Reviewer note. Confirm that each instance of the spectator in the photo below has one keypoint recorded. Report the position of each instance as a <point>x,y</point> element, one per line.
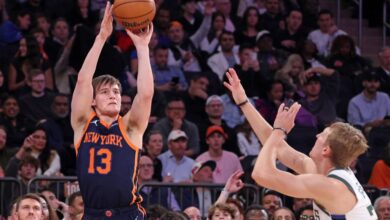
<point>272,19</point>
<point>60,36</point>
<point>382,207</point>
<point>248,69</point>
<point>232,114</point>
<point>43,24</point>
<point>327,32</point>
<point>271,201</point>
<point>193,213</point>
<point>155,212</point>
<point>210,43</point>
<point>225,7</point>
<point>162,23</point>
<point>29,207</point>
<point>125,104</point>
<point>270,59</point>
<point>36,104</point>
<point>167,78</point>
<point>283,213</point>
<point>221,211</point>
<point>13,121</point>
<point>173,216</point>
<point>369,108</point>
<point>321,95</point>
<point>268,107</point>
<point>40,38</point>
<point>23,21</point>
<point>6,153</point>
<point>380,177</point>
<point>154,42</point>
<point>82,14</point>
<point>292,74</point>
<point>306,213</point>
<point>247,141</point>
<point>195,97</point>
<point>153,146</point>
<point>214,110</point>
<point>176,167</point>
<point>250,27</point>
<point>56,204</point>
<point>299,203</point>
<point>50,163</point>
<point>191,18</point>
<point>221,61</point>
<point>175,112</point>
<point>310,56</point>
<point>237,205</point>
<point>255,212</point>
<point>227,162</point>
<point>349,65</point>
<point>291,38</point>
<point>384,69</point>
<point>154,195</point>
<point>76,206</point>
<point>47,211</point>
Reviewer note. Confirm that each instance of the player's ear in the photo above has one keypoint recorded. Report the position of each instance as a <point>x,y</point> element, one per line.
<point>326,150</point>
<point>93,103</point>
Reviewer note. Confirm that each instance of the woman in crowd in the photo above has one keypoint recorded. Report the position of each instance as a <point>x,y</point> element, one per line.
<point>249,28</point>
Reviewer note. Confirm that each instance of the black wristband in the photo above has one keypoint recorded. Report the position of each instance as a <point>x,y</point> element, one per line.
<point>284,131</point>
<point>243,103</point>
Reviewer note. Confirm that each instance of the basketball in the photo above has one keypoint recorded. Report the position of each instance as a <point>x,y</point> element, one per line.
<point>134,14</point>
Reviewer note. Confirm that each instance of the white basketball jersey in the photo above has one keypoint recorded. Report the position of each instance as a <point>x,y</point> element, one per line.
<point>363,210</point>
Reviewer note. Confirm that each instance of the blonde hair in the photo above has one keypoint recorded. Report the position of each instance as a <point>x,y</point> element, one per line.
<point>346,142</point>
<point>284,73</point>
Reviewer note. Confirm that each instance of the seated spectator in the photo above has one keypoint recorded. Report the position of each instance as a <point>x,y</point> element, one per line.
<point>48,212</point>
<point>255,212</point>
<point>210,43</point>
<point>380,174</point>
<point>193,213</point>
<point>82,14</point>
<point>13,121</point>
<point>126,102</point>
<point>195,97</point>
<point>284,213</point>
<point>167,78</point>
<point>155,212</point>
<point>60,36</point>
<point>153,146</point>
<point>214,110</point>
<point>271,201</point>
<point>134,58</point>
<point>232,113</point>
<point>54,202</point>
<point>268,107</point>
<point>327,32</point>
<point>299,203</point>
<point>225,7</point>
<point>29,206</point>
<point>50,163</point>
<point>6,153</point>
<point>221,61</point>
<point>247,141</point>
<point>221,209</point>
<point>250,26</point>
<point>249,72</point>
<point>270,59</point>
<point>384,69</point>
<point>273,19</point>
<point>43,24</point>
<point>310,56</point>
<point>175,112</point>
<point>321,95</point>
<point>349,65</point>
<point>291,39</point>
<point>227,162</point>
<point>176,167</point>
<point>154,195</point>
<point>169,215</point>
<point>237,205</point>
<point>305,213</point>
<point>36,104</point>
<point>369,108</point>
<point>382,207</point>
<point>292,74</point>
<point>76,206</point>
<point>191,18</point>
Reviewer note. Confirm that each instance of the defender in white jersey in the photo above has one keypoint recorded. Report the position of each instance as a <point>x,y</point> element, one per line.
<point>324,176</point>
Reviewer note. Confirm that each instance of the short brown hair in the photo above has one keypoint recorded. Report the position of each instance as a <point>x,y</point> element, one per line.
<point>27,196</point>
<point>33,73</point>
<point>28,159</point>
<point>97,82</point>
<point>223,207</point>
<point>346,142</point>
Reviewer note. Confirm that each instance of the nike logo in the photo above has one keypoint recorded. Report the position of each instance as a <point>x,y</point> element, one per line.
<point>116,123</point>
<point>95,122</point>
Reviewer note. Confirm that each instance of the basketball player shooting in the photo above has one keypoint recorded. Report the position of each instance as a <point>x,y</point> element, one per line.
<point>324,176</point>
<point>108,145</point>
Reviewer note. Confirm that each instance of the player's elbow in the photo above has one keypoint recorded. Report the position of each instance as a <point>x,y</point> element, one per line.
<point>261,177</point>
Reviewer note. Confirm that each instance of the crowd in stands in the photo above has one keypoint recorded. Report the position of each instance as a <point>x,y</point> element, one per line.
<point>282,50</point>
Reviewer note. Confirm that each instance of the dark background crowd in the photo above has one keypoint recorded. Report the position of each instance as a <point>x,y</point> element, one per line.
<point>282,50</point>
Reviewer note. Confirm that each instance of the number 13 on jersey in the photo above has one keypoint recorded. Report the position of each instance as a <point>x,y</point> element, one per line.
<point>105,157</point>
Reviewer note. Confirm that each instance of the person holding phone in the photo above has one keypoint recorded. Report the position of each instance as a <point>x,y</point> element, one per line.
<point>167,78</point>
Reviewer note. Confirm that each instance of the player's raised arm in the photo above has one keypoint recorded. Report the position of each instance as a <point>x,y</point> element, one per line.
<point>83,93</point>
<point>138,116</point>
<point>295,160</point>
